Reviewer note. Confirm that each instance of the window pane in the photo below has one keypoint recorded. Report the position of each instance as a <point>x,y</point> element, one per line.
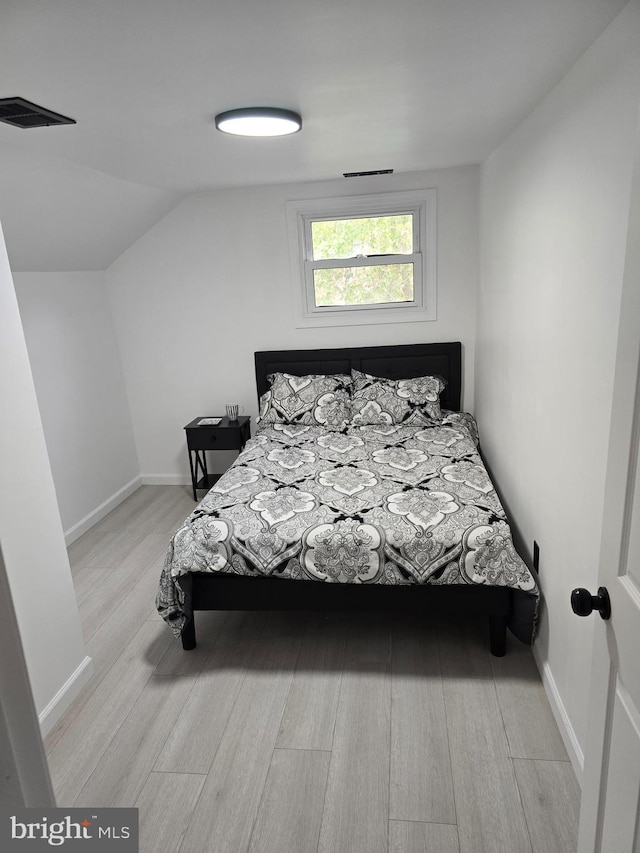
<point>371,285</point>
<point>375,235</point>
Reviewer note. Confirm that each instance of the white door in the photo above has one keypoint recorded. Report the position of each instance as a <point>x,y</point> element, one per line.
<point>610,812</point>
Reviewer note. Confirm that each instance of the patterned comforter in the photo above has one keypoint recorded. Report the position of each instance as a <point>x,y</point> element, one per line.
<point>369,504</point>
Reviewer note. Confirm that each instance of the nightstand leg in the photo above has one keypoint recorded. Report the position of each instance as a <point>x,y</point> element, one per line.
<point>193,474</point>
<point>197,460</point>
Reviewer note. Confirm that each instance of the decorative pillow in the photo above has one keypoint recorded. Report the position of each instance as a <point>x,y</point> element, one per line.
<point>395,401</point>
<point>312,399</point>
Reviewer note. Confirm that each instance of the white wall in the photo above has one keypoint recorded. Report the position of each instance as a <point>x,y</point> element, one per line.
<point>209,285</point>
<point>81,394</point>
<point>554,207</point>
<point>30,530</point>
<point>62,216</point>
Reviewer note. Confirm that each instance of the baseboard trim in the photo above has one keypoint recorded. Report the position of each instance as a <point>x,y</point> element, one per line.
<point>165,480</point>
<point>572,746</point>
<point>63,699</point>
<point>96,515</point>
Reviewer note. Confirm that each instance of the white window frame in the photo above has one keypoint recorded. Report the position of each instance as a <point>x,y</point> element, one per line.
<point>300,214</point>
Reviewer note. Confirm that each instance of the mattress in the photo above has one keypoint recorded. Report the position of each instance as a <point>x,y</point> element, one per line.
<point>375,504</point>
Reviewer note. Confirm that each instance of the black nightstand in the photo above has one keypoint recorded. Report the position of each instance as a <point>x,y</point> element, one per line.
<point>227,435</point>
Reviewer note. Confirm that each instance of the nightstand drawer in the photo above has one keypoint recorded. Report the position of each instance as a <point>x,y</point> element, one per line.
<point>210,438</point>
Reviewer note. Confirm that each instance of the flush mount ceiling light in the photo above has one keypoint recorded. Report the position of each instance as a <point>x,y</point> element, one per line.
<point>259,121</point>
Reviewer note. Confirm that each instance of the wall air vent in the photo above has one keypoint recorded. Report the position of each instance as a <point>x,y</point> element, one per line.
<point>366,174</point>
<point>21,113</point>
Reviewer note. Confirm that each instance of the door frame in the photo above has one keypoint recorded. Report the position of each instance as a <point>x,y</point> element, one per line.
<point>25,774</point>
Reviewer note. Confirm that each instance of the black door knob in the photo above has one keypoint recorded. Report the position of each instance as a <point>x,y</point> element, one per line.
<point>583,603</point>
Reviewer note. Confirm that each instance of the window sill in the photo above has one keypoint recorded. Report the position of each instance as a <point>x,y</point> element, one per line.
<point>365,317</point>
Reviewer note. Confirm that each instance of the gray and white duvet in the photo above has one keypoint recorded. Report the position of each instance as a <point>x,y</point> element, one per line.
<point>368,504</point>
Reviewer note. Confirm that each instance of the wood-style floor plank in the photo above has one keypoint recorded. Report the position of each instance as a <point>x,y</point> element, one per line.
<point>231,794</point>
<point>129,512</point>
<point>489,811</point>
<point>194,740</point>
<point>131,754</point>
<point>113,636</point>
<point>116,632</point>
<point>85,547</point>
<point>111,588</point>
<point>87,578</point>
<point>172,518</point>
<point>111,554</point>
<point>551,799</point>
<point>66,721</point>
<point>529,724</point>
<point>77,752</point>
<point>211,625</point>
<point>368,638</point>
<point>165,806</point>
<point>310,713</point>
<point>152,518</point>
<point>290,811</point>
<point>357,801</point>
<point>421,782</point>
<point>415,837</point>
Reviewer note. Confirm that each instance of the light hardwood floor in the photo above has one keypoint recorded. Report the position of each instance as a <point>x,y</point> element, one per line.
<point>336,733</point>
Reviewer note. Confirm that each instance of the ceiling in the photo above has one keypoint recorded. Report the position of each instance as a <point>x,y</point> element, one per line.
<point>408,85</point>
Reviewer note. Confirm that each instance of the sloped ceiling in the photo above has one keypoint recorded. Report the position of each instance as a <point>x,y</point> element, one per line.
<point>408,85</point>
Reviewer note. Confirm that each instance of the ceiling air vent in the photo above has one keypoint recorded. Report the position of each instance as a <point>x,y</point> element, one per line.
<point>366,174</point>
<point>21,113</point>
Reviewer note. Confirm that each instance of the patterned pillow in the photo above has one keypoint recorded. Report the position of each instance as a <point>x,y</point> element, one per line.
<point>309,400</point>
<point>395,401</point>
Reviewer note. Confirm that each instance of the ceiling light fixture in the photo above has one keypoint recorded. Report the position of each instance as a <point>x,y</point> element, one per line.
<point>259,121</point>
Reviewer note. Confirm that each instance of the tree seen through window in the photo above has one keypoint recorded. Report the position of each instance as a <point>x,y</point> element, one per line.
<point>365,237</point>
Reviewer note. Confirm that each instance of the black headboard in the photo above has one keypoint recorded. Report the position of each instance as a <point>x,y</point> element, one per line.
<point>403,361</point>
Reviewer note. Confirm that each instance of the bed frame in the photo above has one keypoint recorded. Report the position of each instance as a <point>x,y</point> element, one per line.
<point>208,591</point>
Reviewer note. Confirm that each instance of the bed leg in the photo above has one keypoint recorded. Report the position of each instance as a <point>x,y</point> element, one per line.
<point>498,635</point>
<point>188,634</point>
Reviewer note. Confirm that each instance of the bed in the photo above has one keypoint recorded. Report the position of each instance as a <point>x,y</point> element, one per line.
<point>363,488</point>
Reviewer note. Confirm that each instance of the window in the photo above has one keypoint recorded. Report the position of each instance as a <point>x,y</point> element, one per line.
<point>364,259</point>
